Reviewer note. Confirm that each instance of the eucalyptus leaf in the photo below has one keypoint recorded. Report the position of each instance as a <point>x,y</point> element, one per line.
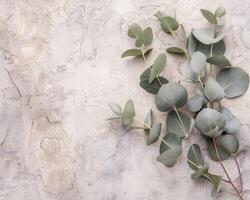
<point>175,50</point>
<point>198,62</point>
<point>195,157</point>
<point>232,123</point>
<point>213,90</point>
<point>157,67</point>
<point>226,145</point>
<point>128,113</point>
<point>195,103</point>
<point>169,24</point>
<point>139,40</point>
<point>210,17</point>
<point>207,36</point>
<point>218,48</point>
<point>154,134</point>
<point>191,44</point>
<point>171,95</point>
<point>115,107</point>
<point>200,172</point>
<point>210,122</point>
<point>170,149</point>
<point>215,180</point>
<point>221,61</point>
<point>148,120</point>
<point>220,12</point>
<point>134,30</point>
<point>131,52</point>
<point>234,81</point>
<point>153,87</point>
<point>174,125</point>
<point>147,35</point>
<point>183,35</point>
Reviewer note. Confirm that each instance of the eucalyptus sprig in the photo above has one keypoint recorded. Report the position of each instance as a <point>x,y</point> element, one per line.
<point>203,48</point>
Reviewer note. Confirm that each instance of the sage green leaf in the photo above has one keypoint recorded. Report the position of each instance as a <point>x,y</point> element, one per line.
<point>175,50</point>
<point>171,95</point>
<point>195,157</point>
<point>195,103</point>
<point>232,122</point>
<point>153,87</point>
<point>169,24</point>
<point>221,61</point>
<point>148,120</point>
<point>170,149</point>
<point>174,125</point>
<point>116,108</point>
<point>128,113</point>
<point>134,30</point>
<point>210,17</point>
<point>215,180</point>
<point>147,52</point>
<point>226,145</point>
<point>207,36</point>
<point>132,52</point>
<point>191,44</point>
<point>200,172</point>
<point>213,90</point>
<point>183,35</point>
<point>234,81</point>
<point>220,12</point>
<point>147,35</point>
<point>139,40</point>
<point>204,35</point>
<point>154,134</point>
<point>159,15</point>
<point>210,122</point>
<point>157,66</point>
<point>218,48</point>
<point>198,62</point>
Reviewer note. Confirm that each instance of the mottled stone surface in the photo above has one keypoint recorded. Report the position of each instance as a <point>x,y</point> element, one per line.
<point>60,65</point>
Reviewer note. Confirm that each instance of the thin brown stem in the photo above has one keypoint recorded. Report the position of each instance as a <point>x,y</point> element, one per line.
<point>238,167</point>
<point>224,169</point>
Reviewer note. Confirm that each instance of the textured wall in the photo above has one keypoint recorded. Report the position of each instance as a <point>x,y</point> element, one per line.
<point>60,65</point>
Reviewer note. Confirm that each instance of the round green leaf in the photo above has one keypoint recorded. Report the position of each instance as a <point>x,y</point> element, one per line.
<point>175,50</point>
<point>147,35</point>
<point>169,24</point>
<point>128,113</point>
<point>220,12</point>
<point>210,17</point>
<point>174,125</point>
<point>154,134</point>
<point>234,81</point>
<point>232,123</point>
<point>195,103</point>
<point>157,67</point>
<point>171,95</point>
<point>210,122</point>
<point>170,149</point>
<point>207,36</point>
<point>132,52</point>
<point>218,48</point>
<point>221,61</point>
<point>226,146</point>
<point>215,180</point>
<point>195,156</point>
<point>134,30</point>
<point>153,87</point>
<point>198,62</point>
<point>191,44</point>
<point>213,90</point>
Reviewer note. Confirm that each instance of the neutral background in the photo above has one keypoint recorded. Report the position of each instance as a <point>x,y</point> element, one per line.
<point>60,65</point>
